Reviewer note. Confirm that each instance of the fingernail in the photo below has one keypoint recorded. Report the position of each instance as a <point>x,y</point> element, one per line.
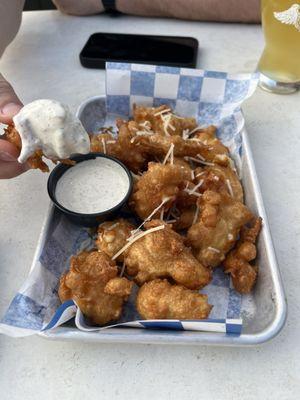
<point>6,156</point>
<point>10,109</point>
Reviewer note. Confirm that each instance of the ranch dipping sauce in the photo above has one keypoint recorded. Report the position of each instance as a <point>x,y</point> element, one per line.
<point>92,186</point>
<point>48,125</point>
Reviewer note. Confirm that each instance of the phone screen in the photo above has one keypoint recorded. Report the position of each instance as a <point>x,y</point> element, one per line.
<point>143,49</point>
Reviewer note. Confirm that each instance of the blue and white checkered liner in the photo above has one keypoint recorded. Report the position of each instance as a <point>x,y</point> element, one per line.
<point>210,97</point>
<point>70,310</point>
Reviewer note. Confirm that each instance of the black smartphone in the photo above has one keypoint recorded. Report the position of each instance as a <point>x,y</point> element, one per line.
<point>177,51</point>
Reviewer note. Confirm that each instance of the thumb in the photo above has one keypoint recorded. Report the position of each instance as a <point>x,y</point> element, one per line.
<point>10,104</point>
<point>9,166</point>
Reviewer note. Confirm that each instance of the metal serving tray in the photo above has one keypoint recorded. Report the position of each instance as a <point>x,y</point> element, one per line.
<point>268,299</point>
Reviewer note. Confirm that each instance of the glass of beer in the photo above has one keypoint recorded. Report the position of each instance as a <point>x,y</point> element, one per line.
<point>280,62</point>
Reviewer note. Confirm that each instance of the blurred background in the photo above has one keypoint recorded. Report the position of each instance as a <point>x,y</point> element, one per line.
<point>38,5</point>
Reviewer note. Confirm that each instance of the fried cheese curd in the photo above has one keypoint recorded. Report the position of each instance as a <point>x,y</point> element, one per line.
<point>123,147</point>
<point>220,219</point>
<point>157,145</point>
<point>194,148</point>
<point>219,179</point>
<point>216,178</point>
<point>161,120</point>
<point>162,254</point>
<point>237,262</point>
<point>92,282</point>
<point>218,152</point>
<point>159,299</point>
<point>159,183</point>
<point>112,236</point>
<point>35,161</point>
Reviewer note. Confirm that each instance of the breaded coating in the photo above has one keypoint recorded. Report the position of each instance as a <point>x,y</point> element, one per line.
<point>237,262</point>
<point>216,178</point>
<point>104,142</point>
<point>159,299</point>
<point>251,232</point>
<point>220,220</point>
<point>118,287</point>
<point>123,147</point>
<point>208,137</point>
<point>35,161</point>
<point>161,120</point>
<point>189,194</point>
<point>112,236</point>
<point>184,165</point>
<point>158,183</point>
<point>163,254</point>
<point>185,219</point>
<point>219,179</point>
<point>93,284</point>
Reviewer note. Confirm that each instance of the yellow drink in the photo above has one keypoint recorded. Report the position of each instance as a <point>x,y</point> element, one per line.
<point>281,24</point>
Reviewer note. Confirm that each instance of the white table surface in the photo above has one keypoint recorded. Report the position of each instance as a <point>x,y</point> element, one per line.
<point>43,62</point>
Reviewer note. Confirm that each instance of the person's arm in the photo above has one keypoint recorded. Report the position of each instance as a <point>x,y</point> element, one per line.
<point>199,10</point>
<point>10,20</point>
<point>74,7</point>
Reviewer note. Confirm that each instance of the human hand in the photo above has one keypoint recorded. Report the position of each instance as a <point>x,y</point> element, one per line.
<point>10,105</point>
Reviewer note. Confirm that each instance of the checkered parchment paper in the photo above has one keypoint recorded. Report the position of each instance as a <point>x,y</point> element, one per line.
<point>212,98</point>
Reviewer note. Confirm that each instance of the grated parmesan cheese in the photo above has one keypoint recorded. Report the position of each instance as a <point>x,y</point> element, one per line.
<point>135,238</point>
<point>197,160</point>
<point>149,217</point>
<point>200,157</point>
<point>104,145</point>
<point>213,249</point>
<point>229,187</point>
<point>170,151</point>
<point>112,226</point>
<point>145,124</point>
<point>122,269</point>
<point>190,192</point>
<point>196,129</point>
<point>144,133</point>
<point>166,121</point>
<point>134,175</point>
<point>166,110</point>
<point>185,134</point>
<point>196,140</point>
<point>196,215</point>
<point>197,186</point>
